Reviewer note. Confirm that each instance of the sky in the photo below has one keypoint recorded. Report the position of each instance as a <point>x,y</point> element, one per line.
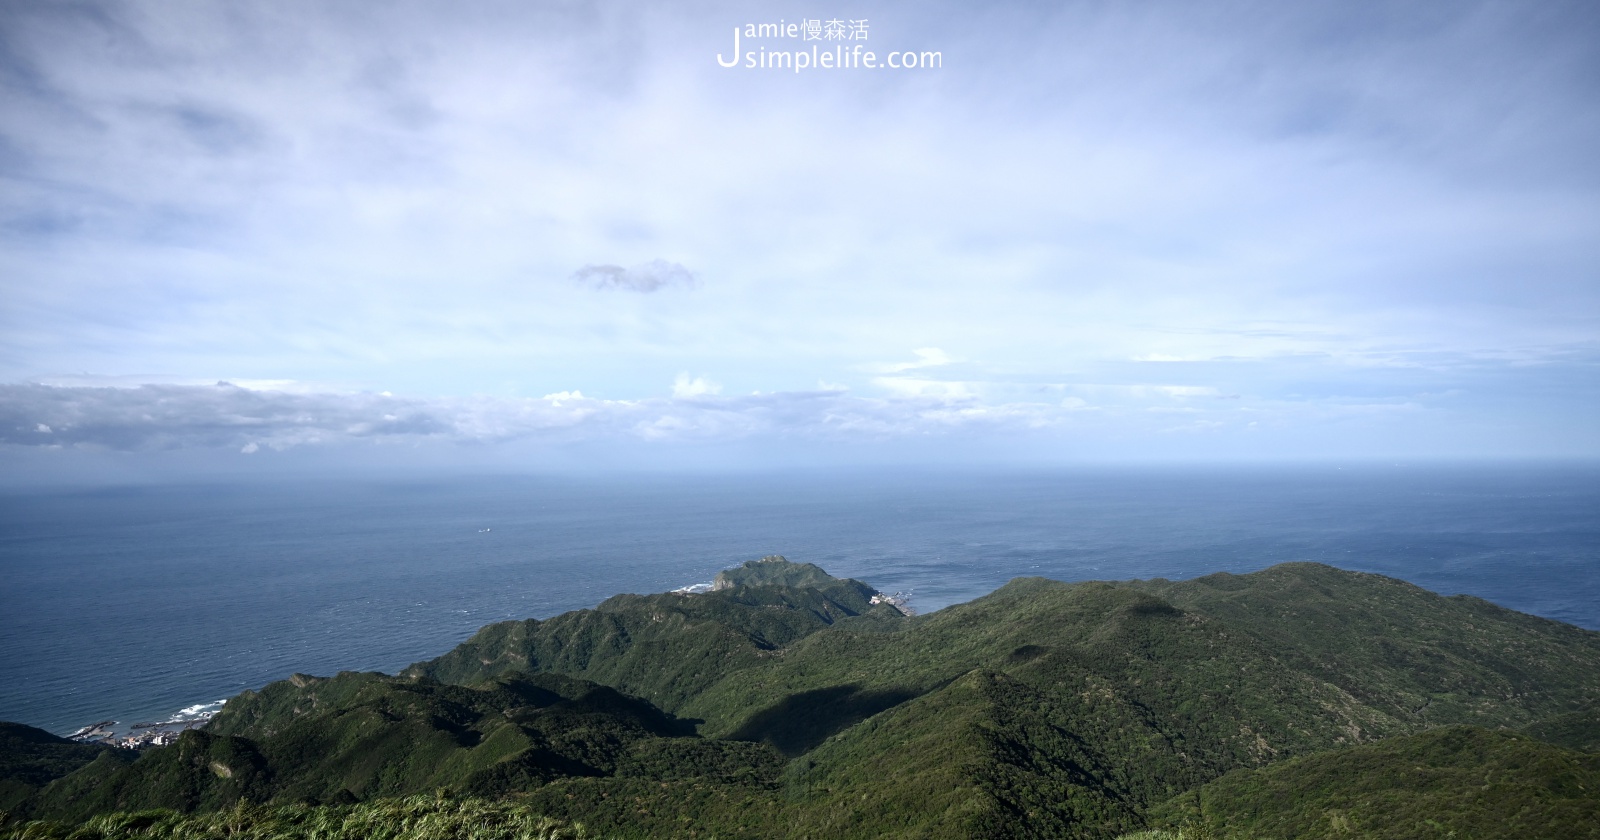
<point>247,236</point>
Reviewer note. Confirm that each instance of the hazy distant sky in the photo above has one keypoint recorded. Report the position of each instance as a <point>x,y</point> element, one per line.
<point>541,233</point>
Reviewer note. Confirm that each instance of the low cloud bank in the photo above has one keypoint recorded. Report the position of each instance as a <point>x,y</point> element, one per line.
<point>933,420</point>
<point>226,416</point>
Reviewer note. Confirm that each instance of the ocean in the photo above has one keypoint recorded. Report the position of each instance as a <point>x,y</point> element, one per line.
<point>131,603</point>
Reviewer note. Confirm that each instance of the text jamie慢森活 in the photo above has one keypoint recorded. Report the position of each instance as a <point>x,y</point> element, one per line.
<point>829,52</point>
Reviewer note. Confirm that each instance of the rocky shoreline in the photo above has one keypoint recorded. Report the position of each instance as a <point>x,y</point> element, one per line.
<point>141,736</point>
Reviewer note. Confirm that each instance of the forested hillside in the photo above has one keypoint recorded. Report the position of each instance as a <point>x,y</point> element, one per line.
<point>1294,702</point>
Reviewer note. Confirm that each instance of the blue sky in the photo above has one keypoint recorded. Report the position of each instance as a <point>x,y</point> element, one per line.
<point>561,234</point>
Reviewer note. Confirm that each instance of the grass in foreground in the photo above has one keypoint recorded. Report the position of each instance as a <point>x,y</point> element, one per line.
<point>413,818</point>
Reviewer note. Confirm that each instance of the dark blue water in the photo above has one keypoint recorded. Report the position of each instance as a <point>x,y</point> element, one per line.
<point>132,603</point>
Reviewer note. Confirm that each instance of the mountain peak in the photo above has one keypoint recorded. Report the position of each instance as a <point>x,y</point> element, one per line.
<point>772,570</point>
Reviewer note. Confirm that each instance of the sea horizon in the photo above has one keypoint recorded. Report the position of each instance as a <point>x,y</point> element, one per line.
<point>134,601</point>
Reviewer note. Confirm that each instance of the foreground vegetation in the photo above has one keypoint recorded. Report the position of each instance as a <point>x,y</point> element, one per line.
<point>411,818</point>
<point>1300,701</point>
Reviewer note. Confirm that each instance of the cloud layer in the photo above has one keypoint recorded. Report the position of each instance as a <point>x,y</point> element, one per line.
<point>225,416</point>
<point>1328,210</point>
<point>938,419</point>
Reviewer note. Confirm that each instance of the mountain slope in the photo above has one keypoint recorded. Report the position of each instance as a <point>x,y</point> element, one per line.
<point>1423,659</point>
<point>32,758</point>
<point>360,736</point>
<point>1457,781</point>
<point>788,703</point>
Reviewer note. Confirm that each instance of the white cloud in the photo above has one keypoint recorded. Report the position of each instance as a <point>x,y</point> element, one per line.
<point>900,385</point>
<point>1184,391</point>
<point>926,357</point>
<point>1145,392</point>
<point>904,386</point>
<point>684,387</point>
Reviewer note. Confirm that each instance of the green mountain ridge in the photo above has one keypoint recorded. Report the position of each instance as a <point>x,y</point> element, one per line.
<point>1422,659</point>
<point>789,703</point>
<point>32,758</point>
<point>1455,781</point>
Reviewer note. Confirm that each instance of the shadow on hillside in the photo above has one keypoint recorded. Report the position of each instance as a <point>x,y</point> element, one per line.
<point>801,721</point>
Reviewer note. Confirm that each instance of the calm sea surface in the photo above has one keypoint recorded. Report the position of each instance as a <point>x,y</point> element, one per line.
<point>128,604</point>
